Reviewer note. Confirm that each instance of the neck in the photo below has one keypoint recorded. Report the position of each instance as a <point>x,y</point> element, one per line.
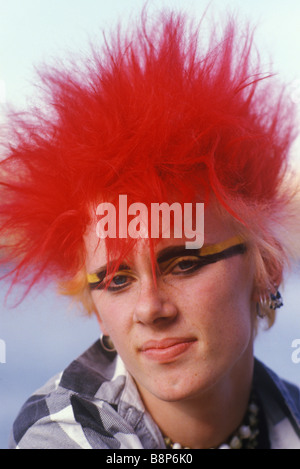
<point>208,419</point>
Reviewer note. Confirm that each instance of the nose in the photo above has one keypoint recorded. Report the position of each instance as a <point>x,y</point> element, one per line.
<point>153,307</point>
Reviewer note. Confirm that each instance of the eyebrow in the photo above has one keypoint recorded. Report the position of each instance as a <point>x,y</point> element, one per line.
<point>211,252</point>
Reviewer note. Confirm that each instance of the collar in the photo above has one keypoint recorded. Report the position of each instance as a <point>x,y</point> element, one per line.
<point>281,402</point>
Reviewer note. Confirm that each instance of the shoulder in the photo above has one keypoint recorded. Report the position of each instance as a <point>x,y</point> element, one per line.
<point>40,423</point>
<point>66,410</point>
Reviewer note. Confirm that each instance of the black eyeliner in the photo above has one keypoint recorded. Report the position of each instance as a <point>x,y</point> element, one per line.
<point>173,253</point>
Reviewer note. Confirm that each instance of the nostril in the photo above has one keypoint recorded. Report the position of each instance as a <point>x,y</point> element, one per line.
<point>152,307</point>
<point>164,320</point>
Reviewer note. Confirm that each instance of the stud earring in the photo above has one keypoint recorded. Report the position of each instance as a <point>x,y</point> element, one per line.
<point>275,300</point>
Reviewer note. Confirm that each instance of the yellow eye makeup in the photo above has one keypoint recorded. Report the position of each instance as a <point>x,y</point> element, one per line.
<point>220,247</point>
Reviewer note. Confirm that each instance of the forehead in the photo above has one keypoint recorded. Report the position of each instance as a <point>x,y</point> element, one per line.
<point>217,228</point>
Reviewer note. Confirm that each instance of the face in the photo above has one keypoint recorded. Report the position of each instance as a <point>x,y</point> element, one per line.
<point>188,332</point>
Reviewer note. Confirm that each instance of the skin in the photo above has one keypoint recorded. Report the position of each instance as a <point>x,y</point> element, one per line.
<point>206,385</point>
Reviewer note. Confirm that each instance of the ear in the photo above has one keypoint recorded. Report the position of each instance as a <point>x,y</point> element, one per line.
<point>275,280</point>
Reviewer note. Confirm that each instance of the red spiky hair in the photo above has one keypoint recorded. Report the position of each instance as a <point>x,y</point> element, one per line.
<point>152,114</point>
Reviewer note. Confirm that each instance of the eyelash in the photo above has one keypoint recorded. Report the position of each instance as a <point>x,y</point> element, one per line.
<point>106,283</point>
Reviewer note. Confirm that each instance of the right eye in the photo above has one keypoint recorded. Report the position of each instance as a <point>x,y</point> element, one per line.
<point>118,282</point>
<point>115,282</point>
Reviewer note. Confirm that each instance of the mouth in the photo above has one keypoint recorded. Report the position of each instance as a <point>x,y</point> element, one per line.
<point>166,350</point>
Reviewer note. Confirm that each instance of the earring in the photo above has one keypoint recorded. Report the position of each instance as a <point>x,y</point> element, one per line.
<point>107,343</point>
<point>275,300</point>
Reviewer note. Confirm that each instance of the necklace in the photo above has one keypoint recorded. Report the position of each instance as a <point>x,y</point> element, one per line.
<point>245,437</point>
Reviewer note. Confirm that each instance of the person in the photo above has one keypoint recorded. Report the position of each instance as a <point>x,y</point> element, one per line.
<point>153,185</point>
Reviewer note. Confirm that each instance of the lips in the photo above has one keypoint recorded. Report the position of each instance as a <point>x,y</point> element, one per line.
<point>167,349</point>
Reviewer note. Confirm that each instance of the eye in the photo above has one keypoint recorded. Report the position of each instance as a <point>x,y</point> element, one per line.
<point>113,282</point>
<point>185,265</point>
<point>182,265</point>
<point>118,281</point>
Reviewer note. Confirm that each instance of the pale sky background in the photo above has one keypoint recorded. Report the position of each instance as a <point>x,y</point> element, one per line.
<point>42,335</point>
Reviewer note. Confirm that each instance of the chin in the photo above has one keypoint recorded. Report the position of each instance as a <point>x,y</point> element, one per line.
<point>181,390</point>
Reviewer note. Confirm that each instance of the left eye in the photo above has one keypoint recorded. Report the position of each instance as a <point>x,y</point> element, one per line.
<point>185,265</point>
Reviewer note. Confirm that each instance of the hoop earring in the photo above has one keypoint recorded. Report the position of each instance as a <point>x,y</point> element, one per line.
<point>107,343</point>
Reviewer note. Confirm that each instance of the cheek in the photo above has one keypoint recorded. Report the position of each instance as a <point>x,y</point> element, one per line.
<point>112,314</point>
<point>233,317</point>
<point>220,306</point>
